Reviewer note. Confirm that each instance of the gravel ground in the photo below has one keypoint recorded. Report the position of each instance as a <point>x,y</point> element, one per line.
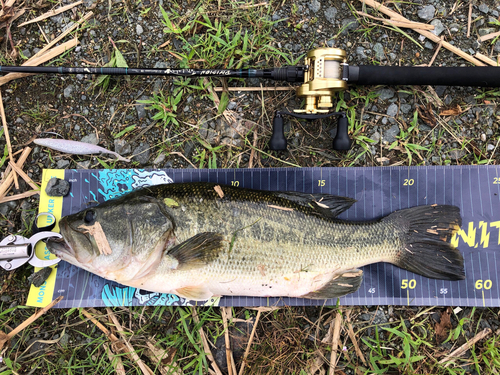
<point>75,108</point>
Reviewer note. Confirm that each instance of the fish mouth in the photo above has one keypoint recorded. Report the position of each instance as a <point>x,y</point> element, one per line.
<point>59,247</point>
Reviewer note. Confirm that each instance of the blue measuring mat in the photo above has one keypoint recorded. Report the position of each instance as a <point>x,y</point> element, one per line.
<point>378,191</point>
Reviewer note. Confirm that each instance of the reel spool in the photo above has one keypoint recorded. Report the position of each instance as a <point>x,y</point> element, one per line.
<point>324,76</point>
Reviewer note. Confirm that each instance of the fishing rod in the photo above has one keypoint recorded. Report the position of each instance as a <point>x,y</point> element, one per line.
<point>324,73</point>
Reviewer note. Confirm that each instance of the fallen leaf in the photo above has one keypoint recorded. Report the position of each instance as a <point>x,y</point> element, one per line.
<point>443,326</point>
<point>426,115</point>
<point>451,111</point>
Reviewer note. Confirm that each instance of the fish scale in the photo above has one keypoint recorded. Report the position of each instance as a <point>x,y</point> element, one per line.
<point>234,241</point>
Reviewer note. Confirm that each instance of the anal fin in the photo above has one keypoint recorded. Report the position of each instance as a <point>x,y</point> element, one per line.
<point>339,285</point>
<point>196,292</point>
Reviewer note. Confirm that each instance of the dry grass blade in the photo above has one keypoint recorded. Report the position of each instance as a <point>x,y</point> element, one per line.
<point>204,340</point>
<point>144,368</point>
<point>486,59</point>
<point>50,54</point>
<point>242,89</point>
<point>231,367</point>
<point>9,177</point>
<point>24,176</point>
<point>335,341</point>
<point>52,13</point>
<point>250,340</point>
<point>78,23</point>
<point>460,351</point>
<point>165,357</point>
<point>409,24</point>
<point>115,360</point>
<point>15,197</point>
<point>489,36</point>
<point>4,338</point>
<point>7,138</point>
<point>396,16</point>
<point>352,336</point>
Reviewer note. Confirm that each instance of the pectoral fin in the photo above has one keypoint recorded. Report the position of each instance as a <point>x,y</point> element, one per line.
<point>196,293</point>
<point>339,285</point>
<point>197,251</point>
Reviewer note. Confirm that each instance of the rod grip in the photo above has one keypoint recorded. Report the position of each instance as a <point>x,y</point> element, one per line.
<point>481,76</point>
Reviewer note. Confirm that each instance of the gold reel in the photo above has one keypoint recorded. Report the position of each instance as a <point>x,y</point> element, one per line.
<point>322,80</point>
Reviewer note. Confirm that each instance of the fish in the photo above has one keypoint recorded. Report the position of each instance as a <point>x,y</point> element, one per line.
<point>75,147</point>
<point>200,240</point>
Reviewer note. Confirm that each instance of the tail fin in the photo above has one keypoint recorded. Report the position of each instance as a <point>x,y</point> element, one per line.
<point>427,250</point>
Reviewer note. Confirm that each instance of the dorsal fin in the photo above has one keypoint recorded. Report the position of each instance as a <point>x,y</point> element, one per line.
<point>325,204</point>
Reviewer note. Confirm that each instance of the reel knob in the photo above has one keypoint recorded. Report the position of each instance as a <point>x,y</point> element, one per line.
<point>342,142</point>
<point>278,140</point>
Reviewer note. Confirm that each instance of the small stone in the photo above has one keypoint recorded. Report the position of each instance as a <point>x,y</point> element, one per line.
<point>360,51</point>
<point>391,134</point>
<point>141,108</point>
<point>330,14</point>
<point>349,24</point>
<point>5,298</point>
<point>142,153</point>
<point>385,94</point>
<point>490,147</point>
<point>139,30</point>
<point>405,108</point>
<point>376,137</point>
<point>7,207</point>
<point>26,53</point>
<point>231,105</point>
<point>483,137</point>
<point>64,340</point>
<point>20,121</point>
<point>454,27</point>
<point>57,187</point>
<point>62,164</point>
<point>83,164</point>
<point>436,160</point>
<point>68,91</point>
<point>438,27</point>
<point>440,90</point>
<point>456,154</point>
<point>427,12</point>
<point>91,138</point>
<point>379,51</point>
<point>122,147</point>
<point>484,8</point>
<point>392,111</point>
<point>39,277</point>
<point>160,158</point>
<point>497,46</point>
<point>315,5</point>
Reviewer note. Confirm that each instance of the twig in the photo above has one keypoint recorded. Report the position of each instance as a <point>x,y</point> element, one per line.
<point>440,44</point>
<point>252,153</point>
<point>204,340</point>
<point>335,341</point>
<point>249,344</point>
<point>252,5</point>
<point>461,350</point>
<point>486,59</point>
<point>181,155</point>
<point>7,138</point>
<point>66,32</point>
<point>352,336</point>
<point>406,24</point>
<point>488,36</point>
<point>7,181</point>
<point>15,197</point>
<point>145,369</point>
<point>51,13</point>
<point>396,16</point>
<point>469,19</point>
<point>24,176</point>
<point>50,54</point>
<point>6,337</point>
<point>231,367</point>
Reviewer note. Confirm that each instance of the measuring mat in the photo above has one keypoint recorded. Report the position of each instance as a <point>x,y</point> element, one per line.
<point>378,191</point>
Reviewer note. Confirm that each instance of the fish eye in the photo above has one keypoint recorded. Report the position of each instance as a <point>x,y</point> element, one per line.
<point>89,216</point>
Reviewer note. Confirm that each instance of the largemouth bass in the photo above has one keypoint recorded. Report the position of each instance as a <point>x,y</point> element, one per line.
<point>199,240</point>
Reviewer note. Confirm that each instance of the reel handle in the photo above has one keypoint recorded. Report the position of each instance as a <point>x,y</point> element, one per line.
<point>341,141</point>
